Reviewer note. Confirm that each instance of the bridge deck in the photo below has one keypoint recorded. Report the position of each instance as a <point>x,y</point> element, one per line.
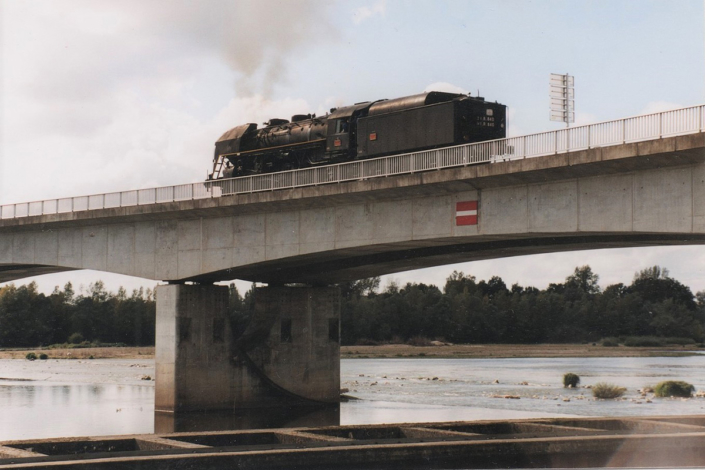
<point>675,441</point>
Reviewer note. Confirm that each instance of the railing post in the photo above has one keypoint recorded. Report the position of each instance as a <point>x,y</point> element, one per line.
<point>555,142</point>
<point>660,125</point>
<point>624,131</point>
<point>589,133</point>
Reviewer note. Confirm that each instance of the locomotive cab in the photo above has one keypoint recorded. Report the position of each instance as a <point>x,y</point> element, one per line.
<point>341,138</point>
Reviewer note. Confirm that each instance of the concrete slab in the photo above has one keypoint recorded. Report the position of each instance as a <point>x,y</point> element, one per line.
<point>6,247</point>
<point>431,217</point>
<point>217,259</point>
<point>663,200</point>
<point>94,247</point>
<point>23,248</point>
<point>606,203</point>
<point>353,225</point>
<point>70,251</point>
<point>553,207</point>
<point>282,228</point>
<point>145,249</point>
<point>190,263</point>
<point>505,210</point>
<point>47,248</point>
<point>166,265</point>
<point>248,230</point>
<point>121,248</point>
<point>189,234</point>
<point>217,233</point>
<point>391,221</point>
<point>699,198</point>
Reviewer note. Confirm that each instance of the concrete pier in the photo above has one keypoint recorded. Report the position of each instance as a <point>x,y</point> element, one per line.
<point>193,351</point>
<point>288,355</point>
<point>290,351</point>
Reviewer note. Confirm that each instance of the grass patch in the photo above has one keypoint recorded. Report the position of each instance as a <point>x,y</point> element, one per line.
<point>674,388</point>
<point>571,380</point>
<point>610,342</point>
<point>605,391</point>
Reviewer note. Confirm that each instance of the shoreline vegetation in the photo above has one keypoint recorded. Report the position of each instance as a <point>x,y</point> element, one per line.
<point>397,351</point>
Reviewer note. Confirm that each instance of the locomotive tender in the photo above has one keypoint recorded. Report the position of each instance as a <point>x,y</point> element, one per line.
<point>365,130</point>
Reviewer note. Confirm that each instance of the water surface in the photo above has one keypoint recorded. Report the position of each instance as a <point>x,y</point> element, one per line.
<point>110,396</point>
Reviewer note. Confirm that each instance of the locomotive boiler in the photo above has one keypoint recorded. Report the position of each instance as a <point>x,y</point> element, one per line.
<point>361,131</point>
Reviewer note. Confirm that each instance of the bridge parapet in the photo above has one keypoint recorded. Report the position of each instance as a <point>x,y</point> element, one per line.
<point>682,121</point>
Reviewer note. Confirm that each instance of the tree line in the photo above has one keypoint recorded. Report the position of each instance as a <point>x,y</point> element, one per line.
<point>472,311</point>
<point>29,318</point>
<point>464,311</point>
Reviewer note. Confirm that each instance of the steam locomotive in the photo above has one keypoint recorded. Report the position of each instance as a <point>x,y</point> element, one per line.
<point>361,131</point>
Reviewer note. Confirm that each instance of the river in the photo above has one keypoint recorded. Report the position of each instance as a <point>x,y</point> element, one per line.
<point>58,398</point>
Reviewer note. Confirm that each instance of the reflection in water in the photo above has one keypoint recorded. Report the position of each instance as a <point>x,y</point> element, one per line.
<point>46,410</point>
<point>258,418</point>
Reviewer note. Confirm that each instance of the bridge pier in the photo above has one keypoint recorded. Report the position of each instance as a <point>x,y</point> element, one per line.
<point>193,348</point>
<point>290,351</point>
<point>288,355</point>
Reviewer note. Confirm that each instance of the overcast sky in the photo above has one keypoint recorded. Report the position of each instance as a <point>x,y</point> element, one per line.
<point>99,96</point>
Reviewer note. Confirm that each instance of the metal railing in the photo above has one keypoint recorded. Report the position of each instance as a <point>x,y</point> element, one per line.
<point>650,126</point>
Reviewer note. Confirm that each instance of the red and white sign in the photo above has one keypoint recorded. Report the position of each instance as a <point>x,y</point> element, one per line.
<point>466,213</point>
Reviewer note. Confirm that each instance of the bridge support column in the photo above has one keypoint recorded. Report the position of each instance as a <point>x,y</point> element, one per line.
<point>193,348</point>
<point>290,351</point>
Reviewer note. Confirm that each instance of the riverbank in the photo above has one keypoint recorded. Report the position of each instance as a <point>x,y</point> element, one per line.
<point>495,351</point>
<point>143,352</point>
<point>457,351</point>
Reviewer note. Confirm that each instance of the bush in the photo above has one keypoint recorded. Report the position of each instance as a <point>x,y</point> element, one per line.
<point>43,357</point>
<point>76,338</point>
<point>571,380</point>
<point>31,356</point>
<point>607,391</point>
<point>610,342</point>
<point>672,388</point>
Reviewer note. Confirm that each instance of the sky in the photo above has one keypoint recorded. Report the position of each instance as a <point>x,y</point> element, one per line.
<point>110,95</point>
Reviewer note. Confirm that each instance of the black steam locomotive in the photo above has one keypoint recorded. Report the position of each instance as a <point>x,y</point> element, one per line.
<point>364,130</point>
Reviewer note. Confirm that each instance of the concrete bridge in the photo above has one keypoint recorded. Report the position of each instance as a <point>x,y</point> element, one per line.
<point>643,193</point>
